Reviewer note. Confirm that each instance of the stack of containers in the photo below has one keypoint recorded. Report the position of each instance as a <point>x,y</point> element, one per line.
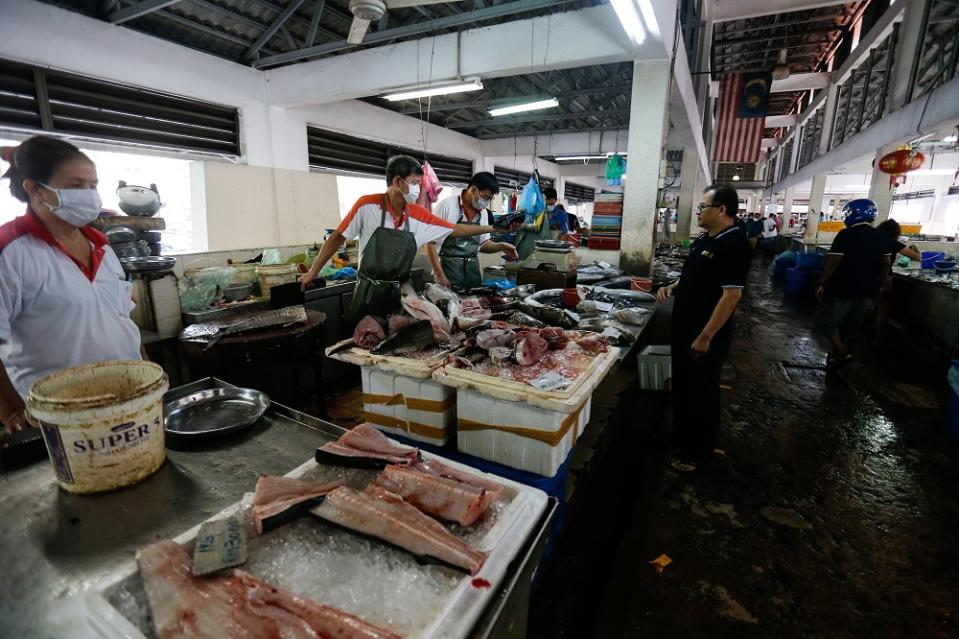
<point>400,398</point>
<point>517,425</point>
<point>607,224</point>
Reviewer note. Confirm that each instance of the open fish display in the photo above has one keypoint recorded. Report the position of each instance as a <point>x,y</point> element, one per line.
<point>398,321</point>
<point>407,339</point>
<point>276,495</point>
<point>234,605</point>
<point>385,515</point>
<point>592,273</point>
<point>364,446</point>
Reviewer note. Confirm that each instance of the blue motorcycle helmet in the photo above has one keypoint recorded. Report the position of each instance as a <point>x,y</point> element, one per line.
<point>859,211</point>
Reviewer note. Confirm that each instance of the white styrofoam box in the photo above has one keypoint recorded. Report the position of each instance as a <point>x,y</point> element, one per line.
<point>655,367</point>
<point>420,409</point>
<point>517,434</point>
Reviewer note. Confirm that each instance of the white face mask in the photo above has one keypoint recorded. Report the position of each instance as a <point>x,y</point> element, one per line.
<point>482,203</point>
<point>77,207</point>
<point>414,193</point>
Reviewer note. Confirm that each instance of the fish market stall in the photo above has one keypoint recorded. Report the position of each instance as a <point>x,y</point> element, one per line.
<point>507,375</point>
<point>927,303</point>
<point>70,560</point>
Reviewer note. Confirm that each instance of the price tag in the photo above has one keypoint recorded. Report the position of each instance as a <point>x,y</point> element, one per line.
<point>573,316</point>
<point>551,381</point>
<point>219,544</point>
<point>604,307</point>
<point>604,265</point>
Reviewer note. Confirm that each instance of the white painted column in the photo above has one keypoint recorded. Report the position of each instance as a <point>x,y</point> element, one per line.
<point>941,191</point>
<point>751,203</point>
<point>815,202</point>
<point>788,209</point>
<point>879,191</point>
<point>688,197</point>
<point>647,129</point>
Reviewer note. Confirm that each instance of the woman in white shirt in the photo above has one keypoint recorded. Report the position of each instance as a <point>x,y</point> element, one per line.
<point>64,298</point>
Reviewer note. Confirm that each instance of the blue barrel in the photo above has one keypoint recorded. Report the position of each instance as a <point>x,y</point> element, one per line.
<point>780,268</point>
<point>929,258</point>
<point>801,283</point>
<point>809,261</point>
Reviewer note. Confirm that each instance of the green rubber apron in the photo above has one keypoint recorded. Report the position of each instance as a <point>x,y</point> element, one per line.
<point>459,257</point>
<point>385,264</point>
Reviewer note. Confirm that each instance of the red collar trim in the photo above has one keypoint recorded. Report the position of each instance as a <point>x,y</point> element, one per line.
<point>466,210</point>
<point>31,224</point>
<point>397,220</point>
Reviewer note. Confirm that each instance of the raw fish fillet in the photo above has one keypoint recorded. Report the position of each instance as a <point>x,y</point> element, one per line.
<point>365,441</point>
<point>235,606</point>
<point>275,495</point>
<point>444,497</point>
<point>555,337</point>
<point>384,515</point>
<point>495,337</point>
<point>369,332</point>
<point>593,344</point>
<point>425,310</point>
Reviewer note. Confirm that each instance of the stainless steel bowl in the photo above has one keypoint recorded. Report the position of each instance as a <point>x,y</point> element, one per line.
<point>149,264</point>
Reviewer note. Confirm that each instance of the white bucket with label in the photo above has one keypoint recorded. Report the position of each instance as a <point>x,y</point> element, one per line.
<point>102,423</point>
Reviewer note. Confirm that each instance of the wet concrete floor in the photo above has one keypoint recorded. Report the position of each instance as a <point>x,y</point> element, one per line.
<point>831,511</point>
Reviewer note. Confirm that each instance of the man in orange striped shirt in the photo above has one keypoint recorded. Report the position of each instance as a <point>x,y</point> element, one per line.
<point>395,209</point>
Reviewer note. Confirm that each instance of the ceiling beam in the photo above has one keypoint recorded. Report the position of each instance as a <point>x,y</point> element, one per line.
<point>786,35</point>
<point>726,10</point>
<point>550,117</point>
<point>558,131</point>
<point>420,28</point>
<point>139,9</point>
<point>752,26</point>
<point>249,22</point>
<point>479,104</point>
<point>315,22</point>
<point>272,29</point>
<point>202,28</point>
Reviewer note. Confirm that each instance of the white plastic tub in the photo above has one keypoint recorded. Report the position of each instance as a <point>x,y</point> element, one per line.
<point>102,423</point>
<point>655,367</point>
<point>420,409</point>
<point>517,434</point>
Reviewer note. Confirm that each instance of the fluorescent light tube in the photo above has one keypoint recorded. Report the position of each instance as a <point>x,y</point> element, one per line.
<point>950,138</point>
<point>442,89</point>
<point>629,18</point>
<point>527,106</point>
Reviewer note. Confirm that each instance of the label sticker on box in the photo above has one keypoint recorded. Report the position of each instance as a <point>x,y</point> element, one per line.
<point>551,381</point>
<point>219,544</point>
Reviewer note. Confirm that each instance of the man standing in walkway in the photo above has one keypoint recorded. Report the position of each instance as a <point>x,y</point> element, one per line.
<point>858,260</point>
<point>707,293</point>
<point>770,232</point>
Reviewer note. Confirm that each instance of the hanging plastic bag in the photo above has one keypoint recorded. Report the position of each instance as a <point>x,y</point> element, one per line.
<point>615,167</point>
<point>531,201</point>
<point>430,188</point>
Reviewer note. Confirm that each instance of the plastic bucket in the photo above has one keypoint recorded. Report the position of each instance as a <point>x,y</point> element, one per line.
<point>643,284</point>
<point>929,258</point>
<point>102,423</point>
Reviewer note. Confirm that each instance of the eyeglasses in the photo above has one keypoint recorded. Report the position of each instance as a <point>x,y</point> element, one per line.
<point>702,207</point>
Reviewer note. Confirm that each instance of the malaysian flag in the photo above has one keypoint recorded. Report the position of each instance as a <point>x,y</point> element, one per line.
<point>743,98</point>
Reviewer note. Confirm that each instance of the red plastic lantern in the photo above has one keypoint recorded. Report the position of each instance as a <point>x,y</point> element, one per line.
<point>900,162</point>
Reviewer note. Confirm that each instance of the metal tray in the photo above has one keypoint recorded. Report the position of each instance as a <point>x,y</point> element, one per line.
<point>214,412</point>
<point>148,264</point>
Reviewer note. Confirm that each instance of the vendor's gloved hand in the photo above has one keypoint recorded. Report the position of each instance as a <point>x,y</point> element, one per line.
<point>508,221</point>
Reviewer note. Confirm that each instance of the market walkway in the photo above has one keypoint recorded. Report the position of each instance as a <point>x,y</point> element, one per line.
<point>832,512</point>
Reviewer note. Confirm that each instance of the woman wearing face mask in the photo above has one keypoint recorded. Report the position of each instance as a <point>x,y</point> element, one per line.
<point>391,229</point>
<point>456,263</point>
<point>64,299</point>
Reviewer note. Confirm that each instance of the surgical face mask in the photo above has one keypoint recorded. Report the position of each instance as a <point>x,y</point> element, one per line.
<point>414,193</point>
<point>482,202</point>
<point>550,207</point>
<point>77,207</point>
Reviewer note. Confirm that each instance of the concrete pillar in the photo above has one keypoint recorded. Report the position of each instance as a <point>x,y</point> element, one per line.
<point>647,130</point>
<point>907,46</point>
<point>832,97</point>
<point>816,192</point>
<point>879,191</point>
<point>935,214</point>
<point>688,196</point>
<point>750,203</point>
<point>788,209</point>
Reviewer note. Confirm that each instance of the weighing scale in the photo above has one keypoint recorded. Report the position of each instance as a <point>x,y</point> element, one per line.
<point>551,265</point>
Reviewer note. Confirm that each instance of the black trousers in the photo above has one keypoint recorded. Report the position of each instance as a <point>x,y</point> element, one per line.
<point>696,407</point>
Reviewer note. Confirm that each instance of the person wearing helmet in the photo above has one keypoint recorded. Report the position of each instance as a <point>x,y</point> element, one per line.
<point>857,262</point>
